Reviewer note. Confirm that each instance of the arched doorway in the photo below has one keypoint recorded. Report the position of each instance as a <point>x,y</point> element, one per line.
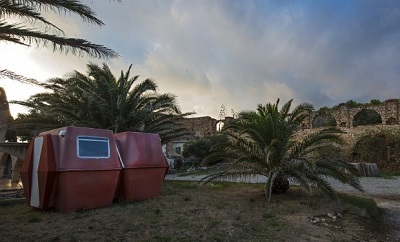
<point>326,120</point>
<point>219,125</point>
<point>10,166</point>
<point>391,121</point>
<point>366,117</point>
<point>371,148</point>
<point>5,167</point>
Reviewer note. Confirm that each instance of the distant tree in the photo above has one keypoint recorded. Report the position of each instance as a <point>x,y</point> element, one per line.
<point>98,99</point>
<point>323,110</point>
<point>375,101</point>
<point>353,104</point>
<point>11,135</point>
<point>31,13</point>
<point>201,147</point>
<point>198,148</point>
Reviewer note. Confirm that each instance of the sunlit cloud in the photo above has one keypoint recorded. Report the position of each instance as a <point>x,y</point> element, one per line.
<point>239,53</point>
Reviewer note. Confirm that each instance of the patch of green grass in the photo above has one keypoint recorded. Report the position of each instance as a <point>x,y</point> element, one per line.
<point>34,218</point>
<point>184,184</point>
<point>55,238</point>
<point>268,214</point>
<point>359,205</point>
<point>276,223</point>
<point>11,202</point>
<point>158,212</point>
<point>388,175</point>
<point>162,238</point>
<point>213,222</point>
<point>72,237</point>
<point>81,214</point>
<point>341,240</point>
<point>217,185</point>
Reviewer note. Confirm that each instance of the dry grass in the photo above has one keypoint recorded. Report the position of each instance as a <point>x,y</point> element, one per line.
<point>187,211</point>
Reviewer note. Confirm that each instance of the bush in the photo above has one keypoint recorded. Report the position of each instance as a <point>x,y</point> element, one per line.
<point>201,147</point>
<point>380,146</point>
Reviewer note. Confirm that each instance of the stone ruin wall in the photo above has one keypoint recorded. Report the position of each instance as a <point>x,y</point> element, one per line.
<point>200,126</point>
<point>204,126</point>
<point>344,115</point>
<point>352,135</point>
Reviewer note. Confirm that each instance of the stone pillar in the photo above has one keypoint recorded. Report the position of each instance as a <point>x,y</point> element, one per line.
<point>4,114</point>
<point>3,125</point>
<point>15,168</point>
<point>3,160</point>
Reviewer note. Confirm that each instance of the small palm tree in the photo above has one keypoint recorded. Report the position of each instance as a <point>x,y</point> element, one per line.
<point>26,32</point>
<point>265,142</point>
<point>100,100</point>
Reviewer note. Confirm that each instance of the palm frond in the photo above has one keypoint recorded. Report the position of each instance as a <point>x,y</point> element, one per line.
<point>66,6</point>
<point>4,73</point>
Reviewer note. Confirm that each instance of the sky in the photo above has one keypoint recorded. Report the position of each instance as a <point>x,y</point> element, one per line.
<point>233,53</point>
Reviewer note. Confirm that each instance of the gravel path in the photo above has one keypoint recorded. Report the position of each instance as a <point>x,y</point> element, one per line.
<point>373,186</point>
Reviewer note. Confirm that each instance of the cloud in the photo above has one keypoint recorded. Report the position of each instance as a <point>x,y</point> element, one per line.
<point>240,54</point>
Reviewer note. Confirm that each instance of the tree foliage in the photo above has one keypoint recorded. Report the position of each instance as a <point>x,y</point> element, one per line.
<point>98,99</point>
<point>380,146</point>
<point>201,147</point>
<point>353,104</point>
<point>375,102</point>
<point>32,28</point>
<point>265,142</point>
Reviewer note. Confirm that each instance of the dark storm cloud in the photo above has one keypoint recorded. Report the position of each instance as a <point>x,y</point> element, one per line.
<point>241,53</point>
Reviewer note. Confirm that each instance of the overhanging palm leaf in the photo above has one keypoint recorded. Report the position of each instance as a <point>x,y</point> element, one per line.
<point>24,33</point>
<point>14,76</point>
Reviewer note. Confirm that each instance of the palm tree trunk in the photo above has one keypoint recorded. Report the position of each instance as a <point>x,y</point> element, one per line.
<point>268,186</point>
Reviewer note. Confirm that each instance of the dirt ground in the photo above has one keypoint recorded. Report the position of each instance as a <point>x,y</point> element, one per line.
<point>187,211</point>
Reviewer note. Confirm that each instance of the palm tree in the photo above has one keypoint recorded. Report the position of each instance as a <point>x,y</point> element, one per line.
<point>31,12</point>
<point>100,100</point>
<point>265,142</point>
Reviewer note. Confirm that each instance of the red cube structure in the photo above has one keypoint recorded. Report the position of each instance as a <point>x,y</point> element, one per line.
<point>71,168</point>
<point>144,165</point>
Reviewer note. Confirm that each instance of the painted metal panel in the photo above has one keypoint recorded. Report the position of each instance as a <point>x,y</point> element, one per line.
<point>37,151</point>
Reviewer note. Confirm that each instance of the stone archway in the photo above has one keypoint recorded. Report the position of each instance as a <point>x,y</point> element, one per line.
<point>325,120</point>
<point>4,164</point>
<point>219,125</point>
<point>391,121</point>
<point>10,166</point>
<point>366,117</point>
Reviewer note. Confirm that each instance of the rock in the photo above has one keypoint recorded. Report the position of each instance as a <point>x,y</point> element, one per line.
<point>315,220</point>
